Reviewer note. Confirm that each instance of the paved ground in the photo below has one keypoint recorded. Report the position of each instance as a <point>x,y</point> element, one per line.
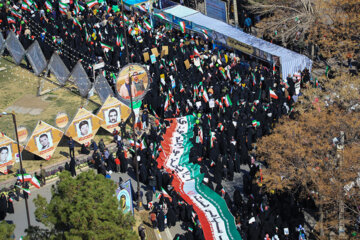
<point>19,217</point>
<point>20,220</point>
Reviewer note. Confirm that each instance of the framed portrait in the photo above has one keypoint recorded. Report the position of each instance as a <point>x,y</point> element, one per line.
<point>5,154</point>
<point>44,141</point>
<point>83,127</point>
<point>133,79</point>
<point>112,115</point>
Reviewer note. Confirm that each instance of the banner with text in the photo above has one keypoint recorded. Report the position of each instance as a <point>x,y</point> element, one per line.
<point>216,220</point>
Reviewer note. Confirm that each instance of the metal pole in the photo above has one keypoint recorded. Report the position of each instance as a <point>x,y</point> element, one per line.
<point>135,141</point>
<point>131,105</point>
<point>21,168</point>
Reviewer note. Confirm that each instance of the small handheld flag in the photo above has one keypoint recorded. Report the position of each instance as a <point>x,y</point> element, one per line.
<point>92,3</point>
<point>182,27</point>
<point>160,15</point>
<point>34,181</point>
<point>273,94</point>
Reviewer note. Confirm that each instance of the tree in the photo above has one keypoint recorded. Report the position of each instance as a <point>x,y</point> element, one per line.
<point>342,90</point>
<point>6,230</point>
<point>303,157</point>
<point>84,207</point>
<point>333,25</point>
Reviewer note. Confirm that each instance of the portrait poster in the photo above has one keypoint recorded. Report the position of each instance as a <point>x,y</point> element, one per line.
<point>124,196</point>
<point>153,58</point>
<point>146,56</point>
<point>8,153</point>
<point>136,75</point>
<point>162,53</point>
<point>165,49</point>
<point>187,64</point>
<point>112,112</point>
<point>84,126</point>
<point>155,52</point>
<point>44,140</point>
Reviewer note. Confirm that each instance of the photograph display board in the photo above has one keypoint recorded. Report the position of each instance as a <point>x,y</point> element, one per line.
<point>59,69</point>
<point>84,126</point>
<point>15,48</point>
<point>103,88</point>
<point>2,43</point>
<point>8,153</point>
<point>81,80</point>
<point>112,111</point>
<point>124,196</point>
<point>36,58</point>
<point>139,86</point>
<point>44,140</point>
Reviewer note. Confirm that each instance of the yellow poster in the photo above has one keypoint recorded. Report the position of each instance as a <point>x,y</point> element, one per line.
<point>112,112</point>
<point>233,43</point>
<point>44,140</point>
<point>22,134</point>
<point>8,153</point>
<point>61,120</point>
<point>84,126</point>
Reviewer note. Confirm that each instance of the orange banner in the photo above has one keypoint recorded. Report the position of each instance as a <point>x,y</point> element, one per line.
<point>44,140</point>
<point>112,112</point>
<point>22,134</point>
<point>84,126</point>
<point>62,120</point>
<point>8,153</point>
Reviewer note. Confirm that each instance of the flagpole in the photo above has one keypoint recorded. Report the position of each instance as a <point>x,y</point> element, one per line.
<point>131,105</point>
<point>21,166</point>
<point>135,141</point>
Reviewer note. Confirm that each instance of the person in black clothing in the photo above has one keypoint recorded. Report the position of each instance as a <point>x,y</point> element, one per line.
<point>71,148</point>
<point>142,233</point>
<point>227,130</point>
<point>17,189</point>
<point>122,126</point>
<point>72,167</point>
<point>3,206</point>
<point>26,186</point>
<point>10,206</point>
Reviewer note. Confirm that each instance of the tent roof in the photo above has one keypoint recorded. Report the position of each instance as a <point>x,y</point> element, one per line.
<point>291,62</point>
<point>180,11</point>
<point>134,2</point>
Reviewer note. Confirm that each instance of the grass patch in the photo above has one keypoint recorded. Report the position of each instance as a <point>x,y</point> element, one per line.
<point>17,82</point>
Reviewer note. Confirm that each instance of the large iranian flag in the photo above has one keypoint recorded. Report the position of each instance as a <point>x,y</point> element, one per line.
<point>216,220</point>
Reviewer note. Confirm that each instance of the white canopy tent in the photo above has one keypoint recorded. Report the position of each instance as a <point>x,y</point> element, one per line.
<point>291,62</point>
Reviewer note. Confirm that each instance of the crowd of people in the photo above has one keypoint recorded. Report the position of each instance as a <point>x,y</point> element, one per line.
<point>235,98</point>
